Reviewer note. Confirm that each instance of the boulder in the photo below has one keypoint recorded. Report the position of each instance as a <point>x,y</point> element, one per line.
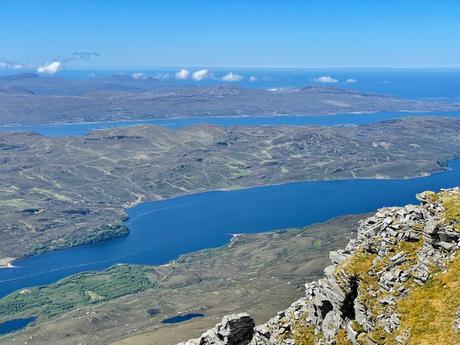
<point>236,329</point>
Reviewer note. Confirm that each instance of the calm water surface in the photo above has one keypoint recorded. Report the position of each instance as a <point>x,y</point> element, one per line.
<point>79,129</point>
<point>15,325</point>
<point>182,318</point>
<point>163,230</point>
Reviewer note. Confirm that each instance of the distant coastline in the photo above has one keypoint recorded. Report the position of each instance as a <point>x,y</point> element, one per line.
<point>142,121</point>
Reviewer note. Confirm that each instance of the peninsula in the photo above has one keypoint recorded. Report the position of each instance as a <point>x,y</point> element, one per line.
<point>61,192</point>
<point>32,99</point>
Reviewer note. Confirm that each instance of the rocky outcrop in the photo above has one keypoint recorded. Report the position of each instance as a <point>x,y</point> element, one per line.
<point>373,291</point>
<point>236,329</point>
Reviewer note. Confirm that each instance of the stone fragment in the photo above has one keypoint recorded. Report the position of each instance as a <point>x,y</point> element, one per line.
<point>352,335</point>
<point>456,324</point>
<point>361,316</point>
<point>337,257</point>
<point>398,256</point>
<point>447,246</point>
<point>331,325</point>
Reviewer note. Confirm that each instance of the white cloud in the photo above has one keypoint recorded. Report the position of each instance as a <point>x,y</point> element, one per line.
<point>252,79</point>
<point>183,74</point>
<point>200,75</point>
<point>232,77</point>
<point>326,79</point>
<point>162,76</point>
<point>5,63</point>
<point>58,63</point>
<point>351,81</point>
<point>138,76</point>
<point>50,68</point>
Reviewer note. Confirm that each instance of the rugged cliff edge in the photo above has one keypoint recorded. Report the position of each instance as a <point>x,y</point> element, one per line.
<point>398,282</point>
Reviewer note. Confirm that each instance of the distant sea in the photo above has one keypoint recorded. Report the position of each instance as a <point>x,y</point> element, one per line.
<point>405,83</point>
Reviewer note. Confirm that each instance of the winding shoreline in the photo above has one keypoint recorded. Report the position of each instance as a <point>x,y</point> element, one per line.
<point>166,182</point>
<point>138,122</point>
<point>7,262</point>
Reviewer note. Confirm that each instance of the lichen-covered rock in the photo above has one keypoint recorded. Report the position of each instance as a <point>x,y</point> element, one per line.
<point>236,329</point>
<point>360,299</point>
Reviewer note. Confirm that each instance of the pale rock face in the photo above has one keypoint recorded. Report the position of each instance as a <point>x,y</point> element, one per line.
<point>236,329</point>
<point>331,324</point>
<point>332,303</point>
<point>352,335</point>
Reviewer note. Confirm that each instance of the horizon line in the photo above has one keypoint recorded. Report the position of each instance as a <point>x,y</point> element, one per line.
<point>246,68</point>
<point>261,67</point>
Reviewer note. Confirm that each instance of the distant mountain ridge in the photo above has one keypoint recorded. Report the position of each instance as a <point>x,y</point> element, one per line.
<point>53,99</point>
<point>19,76</point>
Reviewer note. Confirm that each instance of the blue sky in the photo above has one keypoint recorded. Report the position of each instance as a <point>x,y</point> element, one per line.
<point>236,33</point>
